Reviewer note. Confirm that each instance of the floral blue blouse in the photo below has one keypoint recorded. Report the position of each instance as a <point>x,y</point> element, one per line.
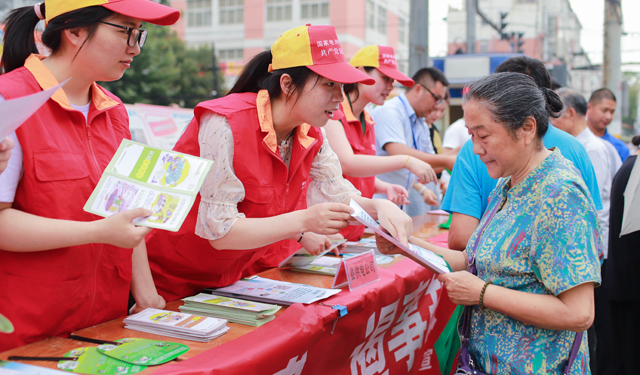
<point>544,240</point>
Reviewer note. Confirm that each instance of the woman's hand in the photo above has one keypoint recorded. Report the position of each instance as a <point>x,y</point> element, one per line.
<point>340,247</point>
<point>5,153</point>
<point>326,218</point>
<point>156,302</point>
<point>397,194</point>
<point>421,169</point>
<point>429,197</point>
<point>118,230</point>
<point>394,220</point>
<point>463,287</point>
<point>315,243</point>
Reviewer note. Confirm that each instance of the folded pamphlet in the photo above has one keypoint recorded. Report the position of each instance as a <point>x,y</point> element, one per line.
<point>177,324</point>
<point>232,309</point>
<point>164,182</point>
<point>419,255</point>
<point>302,257</point>
<point>260,289</point>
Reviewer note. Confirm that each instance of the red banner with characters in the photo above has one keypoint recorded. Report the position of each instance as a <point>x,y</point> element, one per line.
<point>391,327</point>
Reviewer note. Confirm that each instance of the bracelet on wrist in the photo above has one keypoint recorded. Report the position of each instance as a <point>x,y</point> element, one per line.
<point>422,189</point>
<point>484,289</point>
<point>406,162</point>
<point>301,235</point>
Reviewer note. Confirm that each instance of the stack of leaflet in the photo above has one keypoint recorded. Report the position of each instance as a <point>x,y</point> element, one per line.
<point>322,266</point>
<point>362,246</point>
<point>264,290</point>
<point>303,261</point>
<point>177,324</point>
<point>232,309</point>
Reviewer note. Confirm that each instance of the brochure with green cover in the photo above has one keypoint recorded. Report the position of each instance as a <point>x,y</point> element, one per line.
<point>144,351</point>
<point>165,182</point>
<point>233,309</point>
<point>91,361</point>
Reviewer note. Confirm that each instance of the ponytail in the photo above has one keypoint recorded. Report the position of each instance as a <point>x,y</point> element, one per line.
<point>553,102</point>
<point>255,76</point>
<point>19,40</point>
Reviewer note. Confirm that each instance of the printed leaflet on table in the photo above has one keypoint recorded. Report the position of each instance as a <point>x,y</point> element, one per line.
<point>302,257</point>
<point>419,255</point>
<point>232,309</point>
<point>165,182</point>
<point>260,289</point>
<point>177,324</point>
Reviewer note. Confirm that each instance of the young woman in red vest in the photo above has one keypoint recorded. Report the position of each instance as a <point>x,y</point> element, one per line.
<point>267,144</point>
<point>353,137</point>
<point>62,269</point>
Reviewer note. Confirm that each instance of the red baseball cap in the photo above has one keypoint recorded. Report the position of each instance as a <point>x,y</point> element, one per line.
<point>317,48</point>
<point>382,58</point>
<point>145,10</point>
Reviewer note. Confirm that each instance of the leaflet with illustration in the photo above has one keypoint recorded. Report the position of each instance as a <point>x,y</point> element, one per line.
<point>419,255</point>
<point>302,257</point>
<point>260,289</point>
<point>164,182</point>
<point>15,368</point>
<point>232,309</point>
<point>177,324</point>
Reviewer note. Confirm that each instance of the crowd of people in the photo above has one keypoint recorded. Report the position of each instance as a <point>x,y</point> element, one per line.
<point>531,177</point>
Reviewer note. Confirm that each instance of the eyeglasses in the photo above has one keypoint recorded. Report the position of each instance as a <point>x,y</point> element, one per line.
<point>438,99</point>
<point>135,35</point>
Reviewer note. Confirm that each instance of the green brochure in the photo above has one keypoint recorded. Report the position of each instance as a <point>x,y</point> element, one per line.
<point>143,351</point>
<point>91,361</point>
<point>165,182</point>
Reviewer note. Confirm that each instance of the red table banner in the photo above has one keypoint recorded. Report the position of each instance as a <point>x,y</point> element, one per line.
<point>391,328</point>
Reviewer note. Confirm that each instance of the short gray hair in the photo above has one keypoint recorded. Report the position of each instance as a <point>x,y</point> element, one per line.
<point>513,97</point>
<point>572,99</point>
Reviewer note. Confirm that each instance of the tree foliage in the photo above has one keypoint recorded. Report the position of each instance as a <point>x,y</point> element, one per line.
<point>167,71</point>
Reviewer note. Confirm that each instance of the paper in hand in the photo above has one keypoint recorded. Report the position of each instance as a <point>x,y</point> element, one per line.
<point>419,255</point>
<point>14,112</point>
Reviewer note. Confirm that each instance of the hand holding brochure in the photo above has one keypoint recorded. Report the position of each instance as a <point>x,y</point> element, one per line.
<point>164,182</point>
<point>419,255</point>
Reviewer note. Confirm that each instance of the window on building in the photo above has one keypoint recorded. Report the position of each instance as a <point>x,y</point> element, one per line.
<point>230,54</point>
<point>231,11</point>
<point>370,14</point>
<point>199,13</point>
<point>382,20</point>
<point>279,10</point>
<point>314,8</point>
<point>402,30</point>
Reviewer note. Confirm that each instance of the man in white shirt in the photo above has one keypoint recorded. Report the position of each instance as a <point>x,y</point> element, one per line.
<point>573,121</point>
<point>456,134</point>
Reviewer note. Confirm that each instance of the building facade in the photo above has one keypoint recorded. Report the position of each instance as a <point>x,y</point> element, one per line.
<point>239,29</point>
<point>547,30</point>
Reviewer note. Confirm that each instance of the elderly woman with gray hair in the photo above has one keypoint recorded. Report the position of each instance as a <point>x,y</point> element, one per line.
<point>528,272</point>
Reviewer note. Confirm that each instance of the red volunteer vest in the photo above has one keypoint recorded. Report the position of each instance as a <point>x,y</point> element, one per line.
<point>55,292</point>
<point>361,145</point>
<point>182,263</point>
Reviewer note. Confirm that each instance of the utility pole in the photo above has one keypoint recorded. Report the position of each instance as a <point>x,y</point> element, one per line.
<point>472,8</point>
<point>418,36</point>
<point>611,76</point>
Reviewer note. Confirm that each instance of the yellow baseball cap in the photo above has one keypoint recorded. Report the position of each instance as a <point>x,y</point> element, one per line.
<point>145,10</point>
<point>317,48</point>
<point>382,58</point>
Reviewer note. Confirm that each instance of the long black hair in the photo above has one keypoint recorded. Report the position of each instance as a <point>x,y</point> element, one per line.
<point>255,76</point>
<point>19,40</point>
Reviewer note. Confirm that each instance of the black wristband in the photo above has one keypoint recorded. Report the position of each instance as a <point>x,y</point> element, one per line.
<point>301,235</point>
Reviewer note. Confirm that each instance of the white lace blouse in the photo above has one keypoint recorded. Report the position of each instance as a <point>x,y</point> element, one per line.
<point>222,190</point>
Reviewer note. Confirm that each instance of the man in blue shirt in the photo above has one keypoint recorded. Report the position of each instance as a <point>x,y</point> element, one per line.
<point>470,183</point>
<point>402,130</point>
<point>602,106</point>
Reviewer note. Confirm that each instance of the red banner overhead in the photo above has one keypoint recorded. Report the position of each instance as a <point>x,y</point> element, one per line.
<point>391,327</point>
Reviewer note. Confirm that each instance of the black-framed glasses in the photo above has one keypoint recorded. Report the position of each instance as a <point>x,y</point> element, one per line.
<point>438,99</point>
<point>135,35</point>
